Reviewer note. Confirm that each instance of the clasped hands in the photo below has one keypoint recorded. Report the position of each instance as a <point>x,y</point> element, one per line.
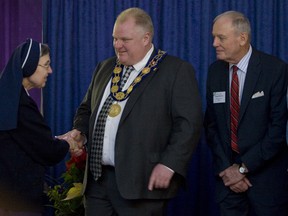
<point>160,177</point>
<point>233,179</point>
<point>76,141</point>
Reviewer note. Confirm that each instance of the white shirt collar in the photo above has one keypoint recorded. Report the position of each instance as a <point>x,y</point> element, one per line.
<point>243,63</point>
<point>140,65</point>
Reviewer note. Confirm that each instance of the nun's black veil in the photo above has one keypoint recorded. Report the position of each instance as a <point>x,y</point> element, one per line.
<point>22,63</point>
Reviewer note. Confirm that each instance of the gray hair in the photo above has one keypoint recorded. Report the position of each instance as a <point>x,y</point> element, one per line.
<point>44,50</point>
<point>239,21</point>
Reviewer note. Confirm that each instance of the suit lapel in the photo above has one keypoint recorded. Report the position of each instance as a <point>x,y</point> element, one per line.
<point>224,86</point>
<point>253,72</point>
<point>138,91</point>
<point>102,83</point>
<point>225,82</point>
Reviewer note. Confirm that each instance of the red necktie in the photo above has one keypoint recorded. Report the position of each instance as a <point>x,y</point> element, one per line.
<point>234,109</point>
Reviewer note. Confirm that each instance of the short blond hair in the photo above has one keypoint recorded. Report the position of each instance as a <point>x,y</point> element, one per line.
<point>140,16</point>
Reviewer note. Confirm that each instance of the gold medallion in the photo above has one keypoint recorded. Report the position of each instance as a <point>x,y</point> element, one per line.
<point>137,79</point>
<point>114,88</point>
<point>115,79</point>
<point>146,70</point>
<point>115,109</point>
<point>117,70</point>
<point>129,89</point>
<point>120,95</point>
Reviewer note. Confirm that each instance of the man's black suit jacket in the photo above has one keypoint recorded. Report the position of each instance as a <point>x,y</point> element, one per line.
<point>161,123</point>
<point>261,129</point>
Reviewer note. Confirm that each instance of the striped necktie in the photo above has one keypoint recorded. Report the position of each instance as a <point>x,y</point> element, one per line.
<point>95,161</point>
<point>234,109</point>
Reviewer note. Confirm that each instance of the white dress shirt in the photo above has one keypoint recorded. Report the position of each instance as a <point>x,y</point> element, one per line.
<point>112,123</point>
<point>242,71</point>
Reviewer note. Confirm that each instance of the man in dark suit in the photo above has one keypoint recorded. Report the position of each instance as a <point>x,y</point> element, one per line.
<point>245,122</point>
<point>153,125</point>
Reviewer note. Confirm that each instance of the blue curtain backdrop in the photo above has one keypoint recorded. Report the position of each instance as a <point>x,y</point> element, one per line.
<point>79,35</point>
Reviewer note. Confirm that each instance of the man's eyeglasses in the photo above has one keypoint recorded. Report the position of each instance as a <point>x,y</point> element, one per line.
<point>45,66</point>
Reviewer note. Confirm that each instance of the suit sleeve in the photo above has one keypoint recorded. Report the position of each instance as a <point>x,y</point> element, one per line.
<point>273,141</point>
<point>83,114</point>
<point>187,120</point>
<point>81,119</point>
<point>221,161</point>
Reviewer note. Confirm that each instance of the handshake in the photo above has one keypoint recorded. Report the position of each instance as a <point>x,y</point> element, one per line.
<point>76,141</point>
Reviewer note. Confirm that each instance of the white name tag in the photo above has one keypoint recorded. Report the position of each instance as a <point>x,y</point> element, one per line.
<point>219,97</point>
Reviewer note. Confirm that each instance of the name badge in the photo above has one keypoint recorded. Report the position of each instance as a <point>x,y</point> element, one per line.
<point>219,97</point>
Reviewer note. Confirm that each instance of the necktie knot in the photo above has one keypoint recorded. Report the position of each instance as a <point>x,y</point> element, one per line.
<point>126,75</point>
<point>128,70</point>
<point>235,69</point>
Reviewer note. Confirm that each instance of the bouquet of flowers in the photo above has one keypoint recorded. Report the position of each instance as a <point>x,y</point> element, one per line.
<point>66,197</point>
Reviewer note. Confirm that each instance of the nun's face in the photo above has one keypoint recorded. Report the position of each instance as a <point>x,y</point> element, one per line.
<point>39,77</point>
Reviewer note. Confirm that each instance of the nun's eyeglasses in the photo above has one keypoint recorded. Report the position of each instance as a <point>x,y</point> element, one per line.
<point>45,66</point>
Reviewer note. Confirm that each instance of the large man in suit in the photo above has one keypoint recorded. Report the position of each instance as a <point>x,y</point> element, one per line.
<point>247,142</point>
<point>152,128</point>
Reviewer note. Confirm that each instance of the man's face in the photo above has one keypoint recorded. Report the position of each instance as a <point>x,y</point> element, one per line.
<point>130,42</point>
<point>227,42</point>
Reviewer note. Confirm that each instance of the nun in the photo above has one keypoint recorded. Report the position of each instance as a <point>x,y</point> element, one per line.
<point>27,144</point>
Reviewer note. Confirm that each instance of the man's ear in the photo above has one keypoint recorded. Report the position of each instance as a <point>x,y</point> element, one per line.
<point>243,38</point>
